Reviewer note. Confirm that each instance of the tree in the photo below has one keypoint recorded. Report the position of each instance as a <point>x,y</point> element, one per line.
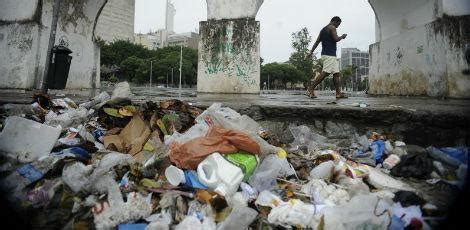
<point>134,69</point>
<point>300,42</point>
<point>131,62</point>
<point>281,74</point>
<point>347,73</point>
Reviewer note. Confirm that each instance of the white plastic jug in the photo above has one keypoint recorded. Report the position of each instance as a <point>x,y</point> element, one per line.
<point>219,174</point>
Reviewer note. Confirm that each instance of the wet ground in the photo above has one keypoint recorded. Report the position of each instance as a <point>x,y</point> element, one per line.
<point>280,98</point>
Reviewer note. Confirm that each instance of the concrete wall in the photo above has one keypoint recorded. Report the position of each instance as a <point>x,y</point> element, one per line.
<point>229,58</point>
<point>24,42</point>
<point>116,21</point>
<point>420,49</point>
<point>232,9</point>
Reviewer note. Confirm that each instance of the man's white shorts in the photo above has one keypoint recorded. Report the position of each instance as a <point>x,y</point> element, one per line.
<point>330,64</point>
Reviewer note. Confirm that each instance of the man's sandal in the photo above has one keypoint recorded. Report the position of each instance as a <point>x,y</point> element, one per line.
<point>341,96</point>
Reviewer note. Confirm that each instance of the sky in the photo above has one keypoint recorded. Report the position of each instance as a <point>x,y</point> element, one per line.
<point>278,19</point>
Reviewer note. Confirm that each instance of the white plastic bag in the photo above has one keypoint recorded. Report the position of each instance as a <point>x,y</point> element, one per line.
<point>239,218</point>
<point>360,213</point>
<point>197,130</point>
<point>27,140</point>
<point>268,199</point>
<point>71,118</point>
<point>121,92</point>
<point>76,176</point>
<point>294,213</point>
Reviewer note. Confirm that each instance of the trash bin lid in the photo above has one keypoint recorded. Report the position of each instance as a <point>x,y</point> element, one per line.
<point>61,49</point>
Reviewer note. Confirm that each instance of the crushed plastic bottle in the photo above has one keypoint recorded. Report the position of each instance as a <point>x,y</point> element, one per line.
<point>239,218</point>
<point>273,166</point>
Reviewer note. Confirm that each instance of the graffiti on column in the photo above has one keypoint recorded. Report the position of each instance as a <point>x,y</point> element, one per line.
<point>229,52</point>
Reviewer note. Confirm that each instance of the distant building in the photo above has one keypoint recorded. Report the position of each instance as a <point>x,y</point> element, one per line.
<point>153,40</point>
<point>116,21</point>
<point>167,37</point>
<point>170,17</point>
<point>190,40</point>
<point>355,57</point>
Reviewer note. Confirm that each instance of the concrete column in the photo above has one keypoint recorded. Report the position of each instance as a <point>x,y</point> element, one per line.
<point>24,35</point>
<point>420,48</point>
<point>229,56</point>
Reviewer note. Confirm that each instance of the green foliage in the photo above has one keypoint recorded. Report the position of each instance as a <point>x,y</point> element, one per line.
<point>281,74</point>
<point>113,79</point>
<point>133,62</point>
<point>300,42</point>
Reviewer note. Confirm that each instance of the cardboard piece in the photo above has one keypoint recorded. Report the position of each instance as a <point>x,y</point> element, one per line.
<point>132,138</point>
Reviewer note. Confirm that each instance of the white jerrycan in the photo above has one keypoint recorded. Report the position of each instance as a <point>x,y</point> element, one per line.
<point>219,174</point>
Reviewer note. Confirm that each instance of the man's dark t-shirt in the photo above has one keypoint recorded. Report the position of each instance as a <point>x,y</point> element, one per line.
<point>327,42</point>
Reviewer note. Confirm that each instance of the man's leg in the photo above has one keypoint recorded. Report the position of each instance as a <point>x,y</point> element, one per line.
<point>315,82</point>
<point>337,82</point>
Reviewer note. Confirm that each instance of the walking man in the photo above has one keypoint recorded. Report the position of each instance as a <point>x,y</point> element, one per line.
<point>328,38</point>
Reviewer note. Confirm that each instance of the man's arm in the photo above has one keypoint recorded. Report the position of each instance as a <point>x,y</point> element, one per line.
<point>314,46</point>
<point>333,32</point>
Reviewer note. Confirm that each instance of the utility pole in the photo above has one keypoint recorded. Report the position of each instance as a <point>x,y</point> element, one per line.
<point>268,82</point>
<point>181,67</point>
<point>166,79</point>
<point>172,82</point>
<point>55,18</point>
<point>151,67</point>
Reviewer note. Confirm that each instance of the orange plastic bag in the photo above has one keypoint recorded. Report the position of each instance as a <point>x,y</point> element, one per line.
<point>224,141</point>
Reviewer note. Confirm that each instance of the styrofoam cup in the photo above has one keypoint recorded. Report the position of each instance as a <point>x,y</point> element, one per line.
<point>174,175</point>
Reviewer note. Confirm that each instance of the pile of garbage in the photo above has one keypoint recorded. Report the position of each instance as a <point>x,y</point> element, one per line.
<point>108,163</point>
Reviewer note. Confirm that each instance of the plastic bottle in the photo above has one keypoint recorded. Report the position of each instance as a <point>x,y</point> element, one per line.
<point>273,166</point>
<point>219,174</point>
<point>177,176</point>
<point>391,161</point>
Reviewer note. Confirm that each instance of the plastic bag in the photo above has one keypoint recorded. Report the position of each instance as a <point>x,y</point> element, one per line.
<point>190,223</point>
<point>96,101</point>
<point>27,140</point>
<point>323,171</point>
<point>268,199</point>
<point>227,118</point>
<point>197,130</point>
<point>359,213</point>
<point>325,194</point>
<point>121,92</point>
<point>76,176</point>
<point>239,218</point>
<point>70,118</point>
<point>160,220</point>
<point>408,213</point>
<point>273,166</point>
<point>109,161</point>
<point>294,213</point>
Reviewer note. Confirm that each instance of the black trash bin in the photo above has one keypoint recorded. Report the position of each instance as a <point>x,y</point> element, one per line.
<point>59,68</point>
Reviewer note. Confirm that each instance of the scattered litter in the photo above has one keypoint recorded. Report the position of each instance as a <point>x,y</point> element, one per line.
<point>110,163</point>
